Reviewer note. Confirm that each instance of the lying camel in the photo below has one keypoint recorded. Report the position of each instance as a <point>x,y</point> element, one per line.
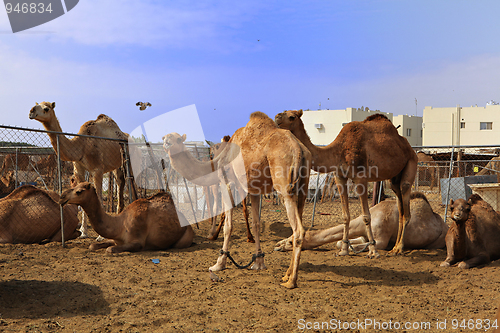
<point>145,224</point>
<point>31,215</point>
<point>426,229</point>
<point>472,239</point>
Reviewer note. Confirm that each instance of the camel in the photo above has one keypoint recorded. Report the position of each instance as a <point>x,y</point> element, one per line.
<point>273,159</point>
<point>7,184</point>
<point>472,239</point>
<point>427,170</point>
<point>144,225</point>
<point>93,155</point>
<point>31,215</point>
<point>426,229</point>
<point>493,167</point>
<point>212,193</point>
<point>13,162</point>
<point>366,151</point>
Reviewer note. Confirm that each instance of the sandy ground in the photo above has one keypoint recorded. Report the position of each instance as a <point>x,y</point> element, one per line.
<point>48,288</point>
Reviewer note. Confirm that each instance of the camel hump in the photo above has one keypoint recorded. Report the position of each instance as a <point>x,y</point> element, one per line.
<point>376,117</point>
<point>27,191</point>
<point>474,199</point>
<point>261,120</point>
<point>418,195</point>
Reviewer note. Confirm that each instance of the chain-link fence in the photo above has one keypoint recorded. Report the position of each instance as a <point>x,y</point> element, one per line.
<point>27,157</point>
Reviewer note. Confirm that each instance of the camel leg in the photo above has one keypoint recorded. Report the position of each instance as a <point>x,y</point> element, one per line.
<point>101,245</point>
<point>120,180</point>
<point>245,215</point>
<point>228,226</point>
<point>129,247</point>
<point>259,261</point>
<point>344,199</point>
<point>362,191</point>
<point>290,278</point>
<point>402,188</point>
<point>186,239</point>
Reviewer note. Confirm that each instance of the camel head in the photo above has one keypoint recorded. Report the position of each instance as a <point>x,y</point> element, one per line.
<point>288,119</point>
<point>173,143</point>
<point>43,112</point>
<point>459,210</point>
<point>77,194</point>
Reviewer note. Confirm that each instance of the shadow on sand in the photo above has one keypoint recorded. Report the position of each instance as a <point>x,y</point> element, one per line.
<point>45,299</point>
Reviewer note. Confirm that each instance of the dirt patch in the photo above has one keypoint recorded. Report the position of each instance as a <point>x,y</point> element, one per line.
<point>47,288</point>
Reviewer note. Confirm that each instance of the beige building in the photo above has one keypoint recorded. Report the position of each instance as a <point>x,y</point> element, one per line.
<point>462,126</point>
<point>323,126</point>
<point>410,127</point>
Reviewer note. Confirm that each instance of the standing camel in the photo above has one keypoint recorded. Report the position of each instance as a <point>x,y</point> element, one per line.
<point>212,193</point>
<point>272,158</point>
<point>96,156</point>
<point>364,151</point>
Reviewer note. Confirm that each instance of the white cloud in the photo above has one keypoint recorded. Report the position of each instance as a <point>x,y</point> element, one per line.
<point>194,24</point>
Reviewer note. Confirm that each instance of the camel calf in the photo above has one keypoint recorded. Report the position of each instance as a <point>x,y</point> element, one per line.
<point>426,229</point>
<point>472,239</point>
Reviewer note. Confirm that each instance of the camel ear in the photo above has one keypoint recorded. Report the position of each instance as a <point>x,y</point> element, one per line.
<point>451,202</point>
<point>36,103</point>
<point>53,105</point>
<point>87,186</point>
<point>300,113</point>
<point>183,137</point>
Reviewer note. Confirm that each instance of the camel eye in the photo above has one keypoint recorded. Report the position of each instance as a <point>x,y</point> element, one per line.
<point>45,109</point>
<point>291,117</point>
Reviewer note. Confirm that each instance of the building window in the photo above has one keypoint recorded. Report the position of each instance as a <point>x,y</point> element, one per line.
<point>462,124</point>
<point>486,126</point>
<point>421,133</point>
<point>408,132</point>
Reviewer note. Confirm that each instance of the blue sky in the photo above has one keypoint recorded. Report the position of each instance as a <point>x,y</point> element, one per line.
<point>230,58</point>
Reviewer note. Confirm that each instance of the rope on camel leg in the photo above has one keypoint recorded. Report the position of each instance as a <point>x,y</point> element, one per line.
<point>363,249</point>
<point>254,256</point>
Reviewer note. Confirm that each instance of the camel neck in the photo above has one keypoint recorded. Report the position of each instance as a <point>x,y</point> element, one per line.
<point>198,172</point>
<point>70,149</point>
<point>324,159</point>
<point>108,226</point>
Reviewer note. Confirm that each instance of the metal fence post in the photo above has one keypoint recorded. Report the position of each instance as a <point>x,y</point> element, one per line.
<point>60,189</point>
<point>449,184</point>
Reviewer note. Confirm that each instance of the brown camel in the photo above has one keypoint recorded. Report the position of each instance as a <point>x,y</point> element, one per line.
<point>364,151</point>
<point>31,215</point>
<point>426,229</point>
<point>427,170</point>
<point>144,225</point>
<point>7,184</point>
<point>13,162</point>
<point>93,155</point>
<point>472,239</point>
<point>492,168</point>
<point>211,193</point>
<point>272,158</point>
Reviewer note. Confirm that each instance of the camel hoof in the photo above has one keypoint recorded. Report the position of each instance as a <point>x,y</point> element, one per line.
<point>395,252</point>
<point>84,235</point>
<point>463,265</point>
<point>445,264</point>
<point>258,266</point>
<point>220,265</point>
<point>375,255</point>
<point>251,240</point>
<point>100,238</point>
<point>289,285</point>
<point>343,253</point>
